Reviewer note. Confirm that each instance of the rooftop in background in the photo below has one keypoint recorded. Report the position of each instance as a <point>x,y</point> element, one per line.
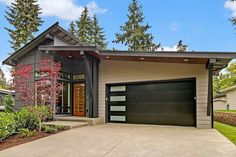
<point>229,88</point>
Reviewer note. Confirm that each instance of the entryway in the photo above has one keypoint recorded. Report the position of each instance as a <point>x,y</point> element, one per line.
<point>79,99</point>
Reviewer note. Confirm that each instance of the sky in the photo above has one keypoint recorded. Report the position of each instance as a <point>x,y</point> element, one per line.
<point>203,25</point>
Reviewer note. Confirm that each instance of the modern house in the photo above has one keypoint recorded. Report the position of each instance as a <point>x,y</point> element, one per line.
<point>169,88</point>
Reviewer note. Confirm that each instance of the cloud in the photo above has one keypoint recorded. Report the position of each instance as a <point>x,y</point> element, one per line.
<point>231,6</point>
<point>64,9</point>
<point>174,27</point>
<point>168,48</point>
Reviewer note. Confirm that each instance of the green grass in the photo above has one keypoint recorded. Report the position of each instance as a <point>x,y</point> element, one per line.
<point>227,130</point>
<point>226,111</point>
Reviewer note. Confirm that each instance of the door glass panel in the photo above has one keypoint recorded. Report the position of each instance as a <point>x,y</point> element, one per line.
<point>117,98</point>
<point>117,108</point>
<point>118,88</point>
<point>118,118</point>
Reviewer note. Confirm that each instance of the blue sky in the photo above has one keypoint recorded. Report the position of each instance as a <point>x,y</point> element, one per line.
<point>203,25</point>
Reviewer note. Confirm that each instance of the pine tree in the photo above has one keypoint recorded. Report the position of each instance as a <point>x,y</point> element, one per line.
<point>23,15</point>
<point>135,34</point>
<point>3,81</point>
<point>98,37</point>
<point>181,47</point>
<point>84,27</point>
<point>72,28</point>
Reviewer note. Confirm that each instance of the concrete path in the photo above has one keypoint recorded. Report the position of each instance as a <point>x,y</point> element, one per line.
<point>123,140</point>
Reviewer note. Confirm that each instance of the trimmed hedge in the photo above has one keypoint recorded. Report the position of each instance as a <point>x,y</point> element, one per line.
<point>227,118</point>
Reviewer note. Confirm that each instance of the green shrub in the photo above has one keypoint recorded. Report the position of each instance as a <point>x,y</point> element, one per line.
<point>9,103</point>
<point>7,125</point>
<point>26,132</point>
<point>27,119</point>
<point>60,127</point>
<point>49,129</point>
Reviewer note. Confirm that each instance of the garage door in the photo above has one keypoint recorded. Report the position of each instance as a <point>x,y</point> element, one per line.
<point>165,102</point>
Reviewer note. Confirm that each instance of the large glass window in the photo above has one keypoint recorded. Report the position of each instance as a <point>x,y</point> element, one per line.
<point>63,101</point>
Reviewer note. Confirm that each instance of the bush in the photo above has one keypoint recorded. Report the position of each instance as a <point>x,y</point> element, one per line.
<point>60,127</point>
<point>26,132</point>
<point>225,117</point>
<point>49,129</point>
<point>7,125</point>
<point>27,119</point>
<point>9,103</point>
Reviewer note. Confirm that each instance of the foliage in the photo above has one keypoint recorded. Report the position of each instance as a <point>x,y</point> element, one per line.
<point>84,27</point>
<point>47,85</point>
<point>7,124</point>
<point>26,132</point>
<point>49,129</point>
<point>135,34</point>
<point>42,113</point>
<point>227,130</point>
<point>27,119</point>
<point>3,82</point>
<point>98,37</point>
<point>72,28</point>
<point>181,47</point>
<point>225,80</point>
<point>22,83</point>
<point>25,20</point>
<point>9,103</point>
<point>60,127</point>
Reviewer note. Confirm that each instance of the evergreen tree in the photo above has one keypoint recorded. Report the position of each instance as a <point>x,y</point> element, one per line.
<point>23,15</point>
<point>84,27</point>
<point>98,37</point>
<point>3,82</point>
<point>135,34</point>
<point>72,28</point>
<point>181,47</point>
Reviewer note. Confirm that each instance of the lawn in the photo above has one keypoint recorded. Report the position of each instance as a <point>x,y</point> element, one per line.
<point>226,111</point>
<point>227,130</point>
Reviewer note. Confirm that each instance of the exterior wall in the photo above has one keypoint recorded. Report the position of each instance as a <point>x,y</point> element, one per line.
<point>131,71</point>
<point>58,42</point>
<point>231,99</point>
<point>219,104</point>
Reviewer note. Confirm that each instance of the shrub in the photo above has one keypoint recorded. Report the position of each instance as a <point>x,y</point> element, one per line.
<point>26,132</point>
<point>27,119</point>
<point>9,103</point>
<point>60,127</point>
<point>7,125</point>
<point>49,129</point>
<point>225,117</point>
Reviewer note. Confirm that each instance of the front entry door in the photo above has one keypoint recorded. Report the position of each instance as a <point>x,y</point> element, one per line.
<point>79,99</point>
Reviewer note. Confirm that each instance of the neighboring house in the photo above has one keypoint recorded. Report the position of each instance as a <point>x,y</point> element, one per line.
<point>220,102</point>
<point>3,93</point>
<point>169,88</point>
<point>230,93</point>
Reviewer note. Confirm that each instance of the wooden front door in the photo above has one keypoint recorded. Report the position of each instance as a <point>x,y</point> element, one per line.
<point>79,99</point>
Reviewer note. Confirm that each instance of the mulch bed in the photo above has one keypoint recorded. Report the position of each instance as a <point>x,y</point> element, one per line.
<point>15,140</point>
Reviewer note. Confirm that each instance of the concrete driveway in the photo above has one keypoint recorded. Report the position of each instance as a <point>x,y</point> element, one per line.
<point>128,140</point>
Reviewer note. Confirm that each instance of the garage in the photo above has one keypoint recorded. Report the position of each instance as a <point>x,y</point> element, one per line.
<point>171,102</point>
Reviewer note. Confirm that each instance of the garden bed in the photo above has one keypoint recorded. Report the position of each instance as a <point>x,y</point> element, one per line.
<point>15,140</point>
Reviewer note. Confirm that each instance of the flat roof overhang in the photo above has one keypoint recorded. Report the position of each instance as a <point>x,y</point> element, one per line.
<point>220,59</point>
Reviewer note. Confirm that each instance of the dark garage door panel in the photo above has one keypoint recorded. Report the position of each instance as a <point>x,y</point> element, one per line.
<point>169,103</point>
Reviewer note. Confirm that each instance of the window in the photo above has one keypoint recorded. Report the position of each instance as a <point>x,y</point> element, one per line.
<point>79,77</point>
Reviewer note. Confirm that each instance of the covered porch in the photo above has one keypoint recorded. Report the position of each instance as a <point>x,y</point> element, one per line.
<point>79,77</point>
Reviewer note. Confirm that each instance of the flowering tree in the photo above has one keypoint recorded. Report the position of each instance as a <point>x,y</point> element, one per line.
<point>22,83</point>
<point>48,87</point>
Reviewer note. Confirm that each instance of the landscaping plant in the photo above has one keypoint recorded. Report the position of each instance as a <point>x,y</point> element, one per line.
<point>7,125</point>
<point>26,132</point>
<point>9,103</point>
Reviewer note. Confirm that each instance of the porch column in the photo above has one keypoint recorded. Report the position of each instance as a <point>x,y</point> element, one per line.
<point>91,71</point>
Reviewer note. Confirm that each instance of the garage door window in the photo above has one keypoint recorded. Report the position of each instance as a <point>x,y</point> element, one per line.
<point>118,88</point>
<point>117,108</point>
<point>118,118</point>
<point>117,98</point>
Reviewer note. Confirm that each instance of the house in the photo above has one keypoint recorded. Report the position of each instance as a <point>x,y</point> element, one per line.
<point>169,88</point>
<point>220,102</point>
<point>230,97</point>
